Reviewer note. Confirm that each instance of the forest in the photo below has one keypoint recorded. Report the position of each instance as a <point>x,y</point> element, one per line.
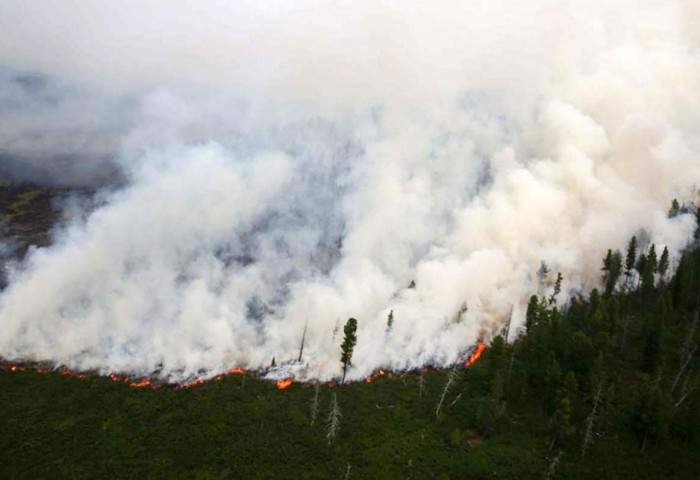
<point>604,386</point>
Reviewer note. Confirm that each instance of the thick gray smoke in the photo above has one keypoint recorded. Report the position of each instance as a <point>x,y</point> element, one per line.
<point>292,166</point>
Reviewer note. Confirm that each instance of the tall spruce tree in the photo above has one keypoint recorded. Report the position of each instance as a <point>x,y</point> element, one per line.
<point>663,265</point>
<point>630,259</point>
<point>557,289</point>
<point>612,266</point>
<point>348,345</point>
<point>675,209</point>
<point>652,259</point>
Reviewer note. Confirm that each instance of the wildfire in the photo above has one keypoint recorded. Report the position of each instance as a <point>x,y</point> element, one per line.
<point>141,384</point>
<point>194,383</point>
<point>377,374</point>
<point>475,356</point>
<point>282,384</point>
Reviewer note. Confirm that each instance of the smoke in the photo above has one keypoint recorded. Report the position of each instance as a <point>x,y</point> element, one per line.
<point>284,166</point>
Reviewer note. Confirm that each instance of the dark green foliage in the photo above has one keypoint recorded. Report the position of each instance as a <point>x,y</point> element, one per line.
<point>653,336</point>
<point>348,344</point>
<point>652,415</point>
<point>390,321</point>
<point>641,265</point>
<point>557,289</point>
<point>652,261</point>
<point>663,264</point>
<point>543,272</point>
<point>563,431</point>
<point>532,313</point>
<point>506,416</point>
<point>612,266</point>
<point>675,209</point>
<point>630,259</point>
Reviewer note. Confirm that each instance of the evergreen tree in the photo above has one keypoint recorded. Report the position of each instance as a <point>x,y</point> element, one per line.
<point>390,321</point>
<point>571,388</point>
<point>562,416</point>
<point>630,259</point>
<point>675,209</point>
<point>552,379</point>
<point>557,289</point>
<point>581,355</point>
<point>663,265</point>
<point>607,264</point>
<point>593,302</point>
<point>493,410</point>
<point>652,259</point>
<point>612,266</point>
<point>348,344</point>
<point>648,265</point>
<point>542,273</point>
<point>532,313</point>
<point>652,415</point>
<point>653,336</point>
<point>642,269</point>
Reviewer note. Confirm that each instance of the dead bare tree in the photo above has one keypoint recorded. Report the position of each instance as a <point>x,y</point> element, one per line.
<point>686,390</point>
<point>590,422</point>
<point>421,384</point>
<point>450,380</point>
<point>506,327</point>
<point>303,339</point>
<point>552,469</point>
<point>333,420</point>
<point>688,351</point>
<point>314,402</point>
<point>510,364</point>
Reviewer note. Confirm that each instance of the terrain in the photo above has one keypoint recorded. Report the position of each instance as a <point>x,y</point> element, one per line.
<point>605,387</point>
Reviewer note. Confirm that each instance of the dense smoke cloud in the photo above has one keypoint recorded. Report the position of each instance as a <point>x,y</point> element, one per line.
<point>297,165</point>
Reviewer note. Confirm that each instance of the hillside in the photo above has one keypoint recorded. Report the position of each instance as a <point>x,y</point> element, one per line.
<point>603,388</point>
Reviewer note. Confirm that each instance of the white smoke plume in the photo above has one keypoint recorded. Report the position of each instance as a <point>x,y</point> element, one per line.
<point>301,163</point>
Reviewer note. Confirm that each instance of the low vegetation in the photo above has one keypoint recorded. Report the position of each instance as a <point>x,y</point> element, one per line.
<point>605,387</point>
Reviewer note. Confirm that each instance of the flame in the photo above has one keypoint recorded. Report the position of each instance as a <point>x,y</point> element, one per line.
<point>194,383</point>
<point>141,384</point>
<point>282,384</point>
<point>475,356</point>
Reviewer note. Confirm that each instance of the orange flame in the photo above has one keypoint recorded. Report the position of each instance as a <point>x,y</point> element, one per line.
<point>475,356</point>
<point>194,383</point>
<point>282,384</point>
<point>141,384</point>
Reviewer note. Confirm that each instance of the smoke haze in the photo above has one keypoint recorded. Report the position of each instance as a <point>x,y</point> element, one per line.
<point>289,165</point>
